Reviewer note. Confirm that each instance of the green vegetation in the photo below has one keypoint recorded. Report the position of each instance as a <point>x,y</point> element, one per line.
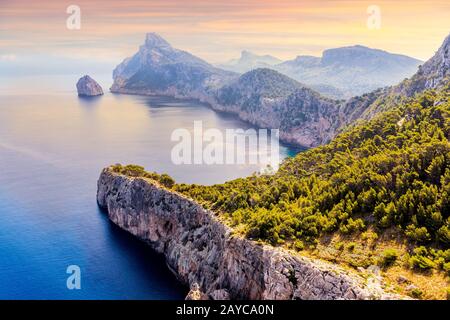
<point>389,257</point>
<point>416,293</point>
<point>133,170</point>
<point>391,172</point>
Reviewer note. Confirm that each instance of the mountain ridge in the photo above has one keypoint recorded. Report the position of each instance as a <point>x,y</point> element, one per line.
<point>340,72</point>
<point>354,70</point>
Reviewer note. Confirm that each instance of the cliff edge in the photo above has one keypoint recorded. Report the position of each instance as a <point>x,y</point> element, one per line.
<point>201,250</point>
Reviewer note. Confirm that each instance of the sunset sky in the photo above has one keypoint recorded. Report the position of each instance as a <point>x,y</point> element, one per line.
<point>217,30</point>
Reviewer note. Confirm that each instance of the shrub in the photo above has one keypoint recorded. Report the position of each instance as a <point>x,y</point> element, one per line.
<point>351,246</point>
<point>131,170</point>
<point>166,180</point>
<point>446,268</point>
<point>352,226</point>
<point>389,257</point>
<point>444,235</point>
<point>369,236</point>
<point>421,263</point>
<point>416,293</point>
<point>417,234</point>
<point>298,245</point>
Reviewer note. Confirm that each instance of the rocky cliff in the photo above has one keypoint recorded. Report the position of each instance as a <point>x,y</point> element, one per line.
<point>269,99</point>
<point>159,69</point>
<point>201,250</point>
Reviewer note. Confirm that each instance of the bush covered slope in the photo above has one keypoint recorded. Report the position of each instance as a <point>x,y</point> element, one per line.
<point>387,175</point>
<point>393,171</point>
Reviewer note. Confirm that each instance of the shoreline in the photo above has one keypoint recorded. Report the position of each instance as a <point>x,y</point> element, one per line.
<point>285,138</point>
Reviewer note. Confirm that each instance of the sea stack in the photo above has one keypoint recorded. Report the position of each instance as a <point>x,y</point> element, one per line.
<point>88,87</point>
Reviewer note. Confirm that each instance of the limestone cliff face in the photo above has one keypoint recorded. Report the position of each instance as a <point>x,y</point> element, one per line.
<point>200,249</point>
<point>159,69</point>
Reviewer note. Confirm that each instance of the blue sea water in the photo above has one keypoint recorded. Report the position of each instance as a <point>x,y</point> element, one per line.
<point>53,146</point>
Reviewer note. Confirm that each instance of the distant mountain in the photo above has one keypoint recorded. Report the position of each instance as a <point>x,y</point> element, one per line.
<point>433,74</point>
<point>158,68</point>
<point>249,61</point>
<point>340,73</point>
<point>351,70</point>
<point>267,98</point>
<point>263,97</point>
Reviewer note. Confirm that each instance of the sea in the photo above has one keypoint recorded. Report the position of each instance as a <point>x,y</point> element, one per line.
<point>53,146</point>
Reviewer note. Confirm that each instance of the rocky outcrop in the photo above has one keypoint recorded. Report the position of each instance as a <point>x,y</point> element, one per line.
<point>196,294</point>
<point>88,87</point>
<point>432,74</point>
<point>201,250</point>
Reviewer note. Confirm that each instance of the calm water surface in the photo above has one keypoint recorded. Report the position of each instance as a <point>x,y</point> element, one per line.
<point>53,146</point>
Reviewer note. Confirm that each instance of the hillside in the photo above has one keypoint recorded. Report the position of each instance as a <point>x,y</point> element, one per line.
<point>263,97</point>
<point>267,98</point>
<point>377,194</point>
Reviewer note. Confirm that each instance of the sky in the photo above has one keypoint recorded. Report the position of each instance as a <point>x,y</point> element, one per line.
<point>35,33</point>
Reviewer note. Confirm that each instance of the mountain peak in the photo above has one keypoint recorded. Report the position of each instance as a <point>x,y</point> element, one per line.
<point>444,51</point>
<point>247,54</point>
<point>446,42</point>
<point>153,39</point>
<point>362,56</point>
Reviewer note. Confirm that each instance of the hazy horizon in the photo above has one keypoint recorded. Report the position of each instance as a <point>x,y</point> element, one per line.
<point>36,33</point>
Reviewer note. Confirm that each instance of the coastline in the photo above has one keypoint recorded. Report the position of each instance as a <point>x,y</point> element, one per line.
<point>288,138</point>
